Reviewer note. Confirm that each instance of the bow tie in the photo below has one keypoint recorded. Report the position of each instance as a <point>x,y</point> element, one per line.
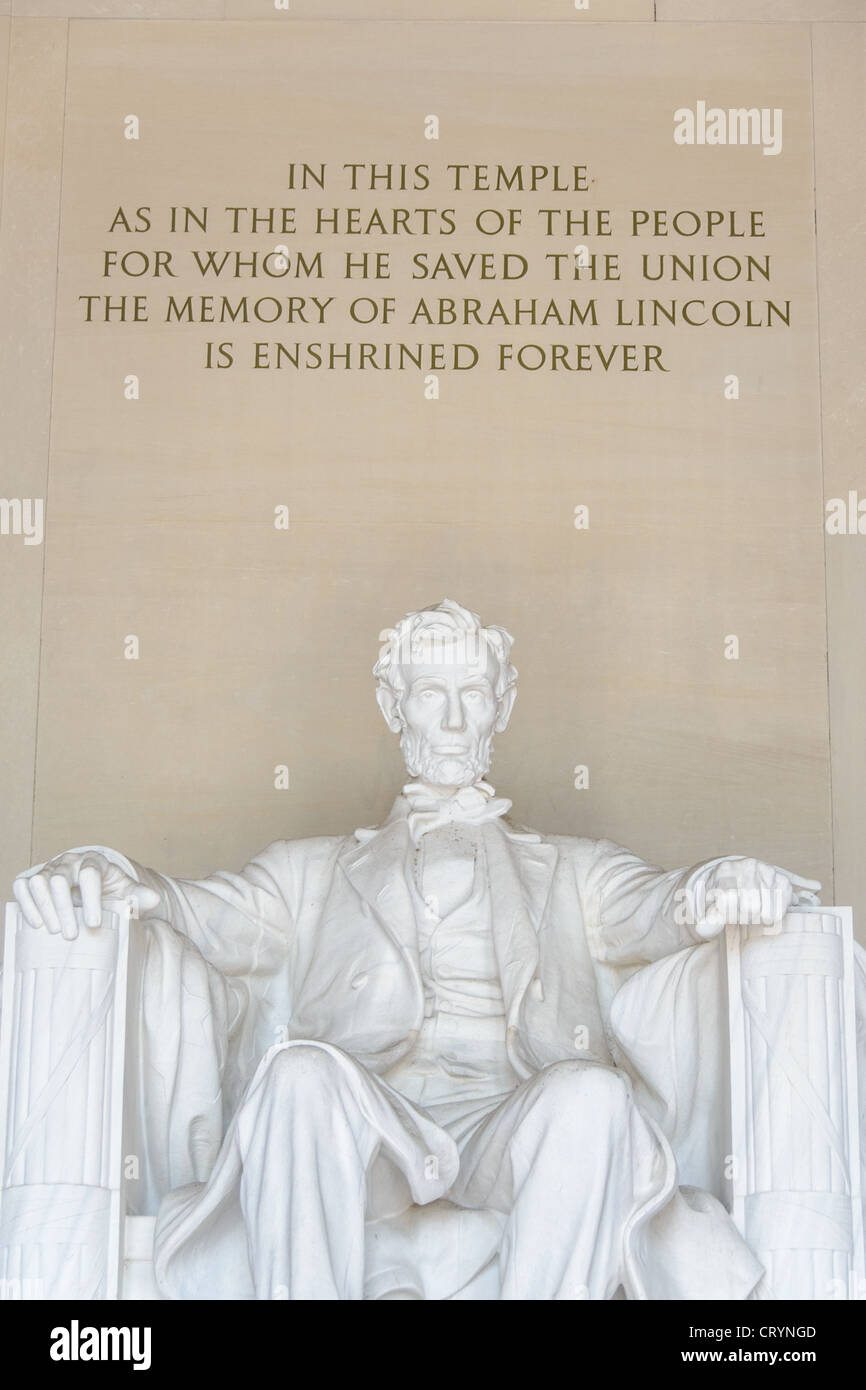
<point>428,809</point>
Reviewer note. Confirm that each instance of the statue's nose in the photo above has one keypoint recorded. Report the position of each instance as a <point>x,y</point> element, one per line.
<point>454,718</point>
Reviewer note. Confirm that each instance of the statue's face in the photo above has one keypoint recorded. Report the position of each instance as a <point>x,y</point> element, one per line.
<point>449,715</point>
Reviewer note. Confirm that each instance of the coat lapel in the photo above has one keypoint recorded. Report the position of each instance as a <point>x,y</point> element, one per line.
<point>521,874</point>
<point>378,869</point>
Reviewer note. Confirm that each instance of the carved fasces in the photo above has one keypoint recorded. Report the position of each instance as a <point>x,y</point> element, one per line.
<point>795,1164</point>
<point>62,1038</point>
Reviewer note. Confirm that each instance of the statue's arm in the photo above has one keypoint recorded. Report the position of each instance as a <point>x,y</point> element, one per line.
<point>239,922</point>
<point>636,913</point>
<point>630,907</point>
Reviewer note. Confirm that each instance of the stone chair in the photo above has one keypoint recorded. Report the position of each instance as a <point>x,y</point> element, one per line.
<point>752,1078</point>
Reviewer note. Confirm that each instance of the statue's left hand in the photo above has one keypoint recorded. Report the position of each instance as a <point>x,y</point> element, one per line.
<point>745,892</point>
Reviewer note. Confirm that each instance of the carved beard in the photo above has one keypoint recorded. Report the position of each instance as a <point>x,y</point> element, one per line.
<point>441,771</point>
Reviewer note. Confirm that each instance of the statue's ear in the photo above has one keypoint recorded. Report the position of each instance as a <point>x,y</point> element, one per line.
<point>389,703</point>
<point>506,705</point>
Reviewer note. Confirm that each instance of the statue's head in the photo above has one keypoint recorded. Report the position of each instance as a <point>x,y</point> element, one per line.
<point>446,685</point>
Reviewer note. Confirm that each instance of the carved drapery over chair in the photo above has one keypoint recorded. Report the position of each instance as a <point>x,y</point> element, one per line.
<point>774,1132</point>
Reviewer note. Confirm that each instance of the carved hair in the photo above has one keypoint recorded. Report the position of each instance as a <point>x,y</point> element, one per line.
<point>445,633</point>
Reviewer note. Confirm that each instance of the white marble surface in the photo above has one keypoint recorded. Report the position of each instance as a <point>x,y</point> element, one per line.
<point>432,1059</point>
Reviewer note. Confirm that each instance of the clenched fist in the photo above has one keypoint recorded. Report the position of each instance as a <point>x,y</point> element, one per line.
<point>47,898</point>
<point>744,892</point>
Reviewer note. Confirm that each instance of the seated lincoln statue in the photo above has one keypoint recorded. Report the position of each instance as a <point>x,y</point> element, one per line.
<point>374,1066</point>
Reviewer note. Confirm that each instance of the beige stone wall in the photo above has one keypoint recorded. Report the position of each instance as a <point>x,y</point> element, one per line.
<point>256,645</point>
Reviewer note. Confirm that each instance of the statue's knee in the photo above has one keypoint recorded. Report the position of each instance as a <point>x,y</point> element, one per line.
<point>301,1087</point>
<point>303,1070</point>
<point>583,1091</point>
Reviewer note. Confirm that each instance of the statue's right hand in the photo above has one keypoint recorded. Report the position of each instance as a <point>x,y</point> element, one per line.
<point>47,898</point>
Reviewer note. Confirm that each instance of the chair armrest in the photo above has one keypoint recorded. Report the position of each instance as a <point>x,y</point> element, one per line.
<point>795,1164</point>
<point>62,1053</point>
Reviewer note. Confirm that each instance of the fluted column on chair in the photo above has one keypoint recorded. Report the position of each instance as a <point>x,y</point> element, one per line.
<point>795,1138</point>
<point>61,1107</point>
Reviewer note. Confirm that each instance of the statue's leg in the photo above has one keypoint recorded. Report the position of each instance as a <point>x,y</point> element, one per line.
<point>305,1149</point>
<point>307,1133</point>
<point>569,1158</point>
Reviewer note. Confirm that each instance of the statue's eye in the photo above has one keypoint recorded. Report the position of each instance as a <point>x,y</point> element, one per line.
<point>428,695</point>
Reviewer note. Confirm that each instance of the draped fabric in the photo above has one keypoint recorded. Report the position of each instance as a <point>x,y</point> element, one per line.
<point>316,941</point>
